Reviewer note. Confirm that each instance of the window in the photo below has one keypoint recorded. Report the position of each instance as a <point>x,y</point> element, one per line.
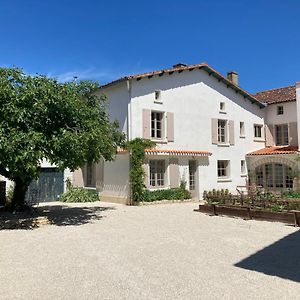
<point>222,106</point>
<point>157,173</point>
<point>89,175</point>
<point>192,175</point>
<point>281,135</point>
<point>274,175</point>
<point>258,131</point>
<point>157,96</point>
<point>242,129</point>
<point>243,167</point>
<point>222,131</point>
<point>157,125</point>
<point>280,110</point>
<point>223,168</point>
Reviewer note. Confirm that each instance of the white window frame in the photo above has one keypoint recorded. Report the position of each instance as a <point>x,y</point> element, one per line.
<point>280,110</point>
<point>283,140</point>
<point>261,129</point>
<point>157,173</point>
<point>154,130</point>
<point>222,132</point>
<point>243,167</point>
<point>222,107</point>
<point>157,96</point>
<point>242,129</point>
<point>223,166</point>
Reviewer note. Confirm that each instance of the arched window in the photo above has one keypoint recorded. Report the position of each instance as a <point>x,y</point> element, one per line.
<point>274,176</point>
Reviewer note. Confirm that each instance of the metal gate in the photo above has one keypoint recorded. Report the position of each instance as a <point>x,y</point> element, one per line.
<point>48,187</point>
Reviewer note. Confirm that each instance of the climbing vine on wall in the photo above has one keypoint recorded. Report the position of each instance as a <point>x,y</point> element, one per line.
<point>137,150</point>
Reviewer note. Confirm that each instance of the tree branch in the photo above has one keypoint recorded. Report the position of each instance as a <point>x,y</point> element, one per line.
<point>5,173</point>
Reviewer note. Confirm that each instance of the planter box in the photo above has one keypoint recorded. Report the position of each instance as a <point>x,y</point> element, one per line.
<point>292,218</point>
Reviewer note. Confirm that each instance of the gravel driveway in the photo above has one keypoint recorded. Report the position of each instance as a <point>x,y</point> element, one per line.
<point>110,251</point>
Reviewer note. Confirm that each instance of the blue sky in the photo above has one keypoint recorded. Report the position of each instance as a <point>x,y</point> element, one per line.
<point>104,40</point>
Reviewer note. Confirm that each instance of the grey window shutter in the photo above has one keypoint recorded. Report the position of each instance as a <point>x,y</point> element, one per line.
<point>231,132</point>
<point>269,135</point>
<point>293,134</point>
<point>146,172</point>
<point>174,172</point>
<point>214,131</point>
<point>146,123</point>
<point>170,127</point>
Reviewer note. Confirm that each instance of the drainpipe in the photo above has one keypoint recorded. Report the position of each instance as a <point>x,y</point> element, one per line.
<point>129,133</point>
<point>298,110</point>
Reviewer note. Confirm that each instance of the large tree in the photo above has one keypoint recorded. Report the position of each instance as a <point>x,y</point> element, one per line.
<point>41,118</point>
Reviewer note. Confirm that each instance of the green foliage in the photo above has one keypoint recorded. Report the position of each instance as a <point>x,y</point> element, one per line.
<point>277,208</point>
<point>41,118</point>
<point>291,194</point>
<point>75,194</point>
<point>168,194</point>
<point>137,150</point>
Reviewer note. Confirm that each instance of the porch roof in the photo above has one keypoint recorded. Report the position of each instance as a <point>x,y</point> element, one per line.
<point>177,152</point>
<point>275,150</point>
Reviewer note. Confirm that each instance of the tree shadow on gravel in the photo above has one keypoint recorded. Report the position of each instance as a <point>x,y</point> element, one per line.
<point>59,215</point>
<point>281,259</point>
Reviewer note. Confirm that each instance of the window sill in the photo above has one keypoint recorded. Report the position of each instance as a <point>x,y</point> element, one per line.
<point>224,180</point>
<point>93,188</point>
<point>242,136</point>
<point>223,145</point>
<point>222,112</point>
<point>158,102</point>
<point>243,175</point>
<point>259,140</point>
<point>159,141</point>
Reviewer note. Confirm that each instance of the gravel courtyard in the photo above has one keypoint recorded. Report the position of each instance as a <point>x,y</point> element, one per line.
<point>167,251</point>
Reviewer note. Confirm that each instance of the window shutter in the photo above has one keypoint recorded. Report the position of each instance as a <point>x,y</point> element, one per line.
<point>146,123</point>
<point>231,132</point>
<point>146,171</point>
<point>174,173</point>
<point>214,131</point>
<point>269,135</point>
<point>170,127</point>
<point>293,134</point>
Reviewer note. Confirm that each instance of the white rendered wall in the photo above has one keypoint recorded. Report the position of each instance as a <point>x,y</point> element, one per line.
<point>116,180</point>
<point>289,113</point>
<point>194,98</point>
<point>117,103</point>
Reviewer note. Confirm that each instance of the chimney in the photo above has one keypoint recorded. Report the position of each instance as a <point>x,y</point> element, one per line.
<point>179,65</point>
<point>233,77</point>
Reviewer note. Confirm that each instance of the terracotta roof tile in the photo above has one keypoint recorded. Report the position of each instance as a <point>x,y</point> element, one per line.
<point>170,152</point>
<point>275,150</point>
<point>285,94</point>
<point>182,68</point>
<point>178,152</point>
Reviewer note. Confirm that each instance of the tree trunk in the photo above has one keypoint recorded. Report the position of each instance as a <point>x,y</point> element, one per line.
<point>18,200</point>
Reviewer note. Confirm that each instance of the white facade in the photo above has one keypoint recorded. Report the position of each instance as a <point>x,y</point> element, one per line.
<point>193,97</point>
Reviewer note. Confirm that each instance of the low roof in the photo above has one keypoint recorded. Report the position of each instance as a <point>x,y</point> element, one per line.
<point>170,152</point>
<point>177,152</point>
<point>280,95</point>
<point>275,150</point>
<point>181,68</point>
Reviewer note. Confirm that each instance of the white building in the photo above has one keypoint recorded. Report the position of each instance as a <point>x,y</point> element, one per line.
<point>207,131</point>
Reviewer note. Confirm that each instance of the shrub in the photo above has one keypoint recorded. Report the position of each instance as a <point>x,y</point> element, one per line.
<point>291,194</point>
<point>75,194</point>
<point>169,194</point>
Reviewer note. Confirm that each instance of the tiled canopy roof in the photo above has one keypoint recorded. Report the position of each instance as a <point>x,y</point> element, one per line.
<point>171,152</point>
<point>285,94</point>
<point>181,68</point>
<point>177,152</point>
<point>275,150</point>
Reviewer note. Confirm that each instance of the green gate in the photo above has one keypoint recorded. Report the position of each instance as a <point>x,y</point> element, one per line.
<point>48,187</point>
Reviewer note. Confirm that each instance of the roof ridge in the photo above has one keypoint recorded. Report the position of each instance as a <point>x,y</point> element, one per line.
<point>285,87</point>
